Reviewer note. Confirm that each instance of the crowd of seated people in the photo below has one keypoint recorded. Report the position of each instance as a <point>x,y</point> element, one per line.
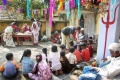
<point>59,62</point>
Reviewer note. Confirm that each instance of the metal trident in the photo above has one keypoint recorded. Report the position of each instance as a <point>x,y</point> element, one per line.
<point>107,23</point>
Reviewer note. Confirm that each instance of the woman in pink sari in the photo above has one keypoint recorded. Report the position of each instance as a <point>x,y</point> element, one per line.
<point>35,32</point>
<point>41,70</point>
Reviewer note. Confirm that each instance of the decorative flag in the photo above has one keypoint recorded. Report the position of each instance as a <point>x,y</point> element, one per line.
<point>71,4</point>
<point>10,0</point>
<point>67,8</point>
<point>79,9</point>
<point>112,8</point>
<point>51,12</point>
<point>1,7</point>
<point>28,8</point>
<point>76,3</point>
<point>82,2</point>
<point>98,0</point>
<point>4,2</point>
<point>60,7</point>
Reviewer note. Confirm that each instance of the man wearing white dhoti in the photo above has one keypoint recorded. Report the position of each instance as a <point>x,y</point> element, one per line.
<point>7,36</point>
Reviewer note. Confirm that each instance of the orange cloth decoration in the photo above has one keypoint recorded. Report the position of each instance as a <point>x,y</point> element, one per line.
<point>60,7</point>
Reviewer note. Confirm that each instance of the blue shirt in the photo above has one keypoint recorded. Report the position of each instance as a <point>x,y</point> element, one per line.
<point>27,65</point>
<point>9,69</point>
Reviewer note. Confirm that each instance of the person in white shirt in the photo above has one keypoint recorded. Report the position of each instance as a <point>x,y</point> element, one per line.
<point>112,69</point>
<point>71,57</point>
<point>109,71</point>
<point>54,59</point>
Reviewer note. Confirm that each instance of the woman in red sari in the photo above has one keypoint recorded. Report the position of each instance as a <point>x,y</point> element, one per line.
<point>25,30</point>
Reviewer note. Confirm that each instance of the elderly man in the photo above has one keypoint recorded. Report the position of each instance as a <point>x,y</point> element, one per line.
<point>81,36</point>
<point>67,32</point>
<point>108,71</point>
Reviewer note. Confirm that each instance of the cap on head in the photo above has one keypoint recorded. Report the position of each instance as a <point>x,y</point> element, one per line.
<point>114,47</point>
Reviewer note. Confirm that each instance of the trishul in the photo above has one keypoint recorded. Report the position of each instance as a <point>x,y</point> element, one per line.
<point>107,23</point>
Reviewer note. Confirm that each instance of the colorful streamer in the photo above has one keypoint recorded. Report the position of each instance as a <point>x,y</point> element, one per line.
<point>112,8</point>
<point>60,7</point>
<point>76,3</point>
<point>4,2</point>
<point>71,4</point>
<point>51,12</point>
<point>79,9</point>
<point>28,8</point>
<point>67,8</point>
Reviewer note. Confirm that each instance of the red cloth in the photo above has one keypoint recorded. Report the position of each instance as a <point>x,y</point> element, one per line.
<point>55,38</point>
<point>91,50</point>
<point>77,54</point>
<point>74,35</point>
<point>85,55</point>
<point>24,30</point>
<point>15,28</point>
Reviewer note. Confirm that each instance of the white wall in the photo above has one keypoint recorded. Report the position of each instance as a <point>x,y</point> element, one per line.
<point>113,33</point>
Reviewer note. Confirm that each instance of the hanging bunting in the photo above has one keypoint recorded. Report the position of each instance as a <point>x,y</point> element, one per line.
<point>82,2</point>
<point>79,9</point>
<point>71,4</point>
<point>32,14</point>
<point>1,7</point>
<point>112,8</point>
<point>76,3</point>
<point>98,0</point>
<point>28,8</point>
<point>51,12</point>
<point>60,6</point>
<point>67,8</point>
<point>4,2</point>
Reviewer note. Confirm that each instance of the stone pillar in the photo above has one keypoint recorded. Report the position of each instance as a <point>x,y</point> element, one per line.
<point>48,29</point>
<point>112,34</point>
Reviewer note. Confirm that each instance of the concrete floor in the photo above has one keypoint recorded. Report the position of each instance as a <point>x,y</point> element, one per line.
<point>18,51</point>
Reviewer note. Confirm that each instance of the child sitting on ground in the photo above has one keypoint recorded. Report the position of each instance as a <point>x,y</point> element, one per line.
<point>45,55</point>
<point>66,68</point>
<point>27,63</point>
<point>10,68</point>
<point>41,70</point>
<point>85,52</point>
<point>89,42</point>
<point>62,47</point>
<point>54,59</point>
<point>77,53</point>
<point>71,57</point>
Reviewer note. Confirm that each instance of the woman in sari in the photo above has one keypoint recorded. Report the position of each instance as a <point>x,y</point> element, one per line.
<point>35,32</point>
<point>7,36</point>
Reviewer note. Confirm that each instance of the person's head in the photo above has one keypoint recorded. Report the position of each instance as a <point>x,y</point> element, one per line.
<point>71,43</point>
<point>54,48</point>
<point>38,58</point>
<point>82,30</point>
<point>13,23</point>
<point>62,53</point>
<point>9,56</point>
<point>32,19</point>
<point>71,49</point>
<point>78,28</point>
<point>114,49</point>
<point>56,32</point>
<point>75,46</point>
<point>26,53</point>
<point>44,50</point>
<point>89,42</point>
<point>62,47</point>
<point>83,46</point>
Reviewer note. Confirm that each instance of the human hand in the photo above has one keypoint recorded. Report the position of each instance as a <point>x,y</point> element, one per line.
<point>95,68</point>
